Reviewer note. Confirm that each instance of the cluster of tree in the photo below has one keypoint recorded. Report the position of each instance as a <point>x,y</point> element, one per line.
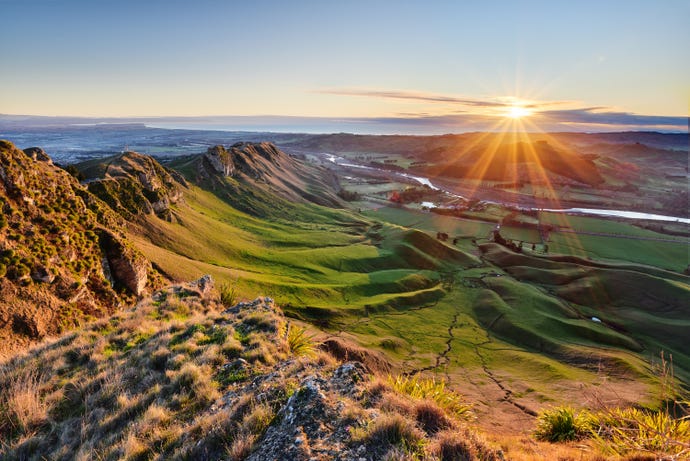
<point>386,166</point>
<point>349,195</point>
<point>409,195</point>
<point>510,185</point>
<point>512,245</point>
<point>459,213</point>
<point>71,169</point>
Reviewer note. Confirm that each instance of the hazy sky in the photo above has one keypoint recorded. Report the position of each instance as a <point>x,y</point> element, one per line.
<point>402,59</point>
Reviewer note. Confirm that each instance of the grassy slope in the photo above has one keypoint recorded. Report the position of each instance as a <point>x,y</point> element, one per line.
<point>334,262</point>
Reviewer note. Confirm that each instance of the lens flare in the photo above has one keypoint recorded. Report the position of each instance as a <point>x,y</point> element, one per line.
<point>516,112</point>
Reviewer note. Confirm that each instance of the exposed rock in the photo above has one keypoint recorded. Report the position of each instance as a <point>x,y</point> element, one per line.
<point>38,154</point>
<point>128,267</point>
<point>41,274</point>
<point>205,284</point>
<point>219,160</point>
<point>133,185</point>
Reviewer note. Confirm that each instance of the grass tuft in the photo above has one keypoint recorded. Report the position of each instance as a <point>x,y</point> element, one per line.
<point>21,405</point>
<point>562,424</point>
<point>431,389</point>
<point>395,430</point>
<point>621,431</point>
<point>228,294</point>
<point>299,342</point>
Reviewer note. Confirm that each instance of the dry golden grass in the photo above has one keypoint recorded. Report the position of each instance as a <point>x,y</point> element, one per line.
<point>430,417</point>
<point>22,407</point>
<point>241,447</point>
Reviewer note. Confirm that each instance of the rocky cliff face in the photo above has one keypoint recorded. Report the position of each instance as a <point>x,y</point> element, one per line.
<point>55,267</point>
<point>133,185</point>
<point>216,160</point>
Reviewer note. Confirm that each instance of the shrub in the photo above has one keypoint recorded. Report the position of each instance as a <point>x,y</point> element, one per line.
<point>561,424</point>
<point>348,195</point>
<point>228,294</point>
<point>299,342</point>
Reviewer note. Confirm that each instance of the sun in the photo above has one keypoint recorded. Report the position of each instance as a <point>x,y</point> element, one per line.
<point>516,112</point>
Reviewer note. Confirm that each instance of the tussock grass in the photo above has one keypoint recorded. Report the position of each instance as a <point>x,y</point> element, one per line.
<point>431,389</point>
<point>563,424</point>
<point>394,430</point>
<point>461,445</point>
<point>142,384</point>
<point>300,342</point>
<point>22,407</point>
<point>430,417</point>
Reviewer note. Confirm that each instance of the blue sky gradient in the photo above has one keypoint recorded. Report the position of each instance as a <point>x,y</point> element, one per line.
<point>340,59</point>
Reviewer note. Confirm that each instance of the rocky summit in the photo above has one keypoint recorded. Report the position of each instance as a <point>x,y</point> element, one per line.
<point>133,185</point>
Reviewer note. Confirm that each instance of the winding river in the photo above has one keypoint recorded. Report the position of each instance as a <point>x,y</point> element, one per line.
<point>583,211</point>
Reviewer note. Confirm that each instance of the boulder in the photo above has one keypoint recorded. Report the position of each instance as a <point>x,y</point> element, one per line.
<point>38,154</point>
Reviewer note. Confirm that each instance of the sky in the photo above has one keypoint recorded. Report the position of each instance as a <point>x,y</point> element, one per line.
<point>418,65</point>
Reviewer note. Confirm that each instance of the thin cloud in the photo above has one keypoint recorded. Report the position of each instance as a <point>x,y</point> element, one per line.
<point>602,116</point>
<point>415,96</point>
<point>498,102</point>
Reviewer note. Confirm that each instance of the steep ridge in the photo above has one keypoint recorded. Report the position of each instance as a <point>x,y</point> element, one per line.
<point>133,184</point>
<point>63,255</point>
<point>249,174</point>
